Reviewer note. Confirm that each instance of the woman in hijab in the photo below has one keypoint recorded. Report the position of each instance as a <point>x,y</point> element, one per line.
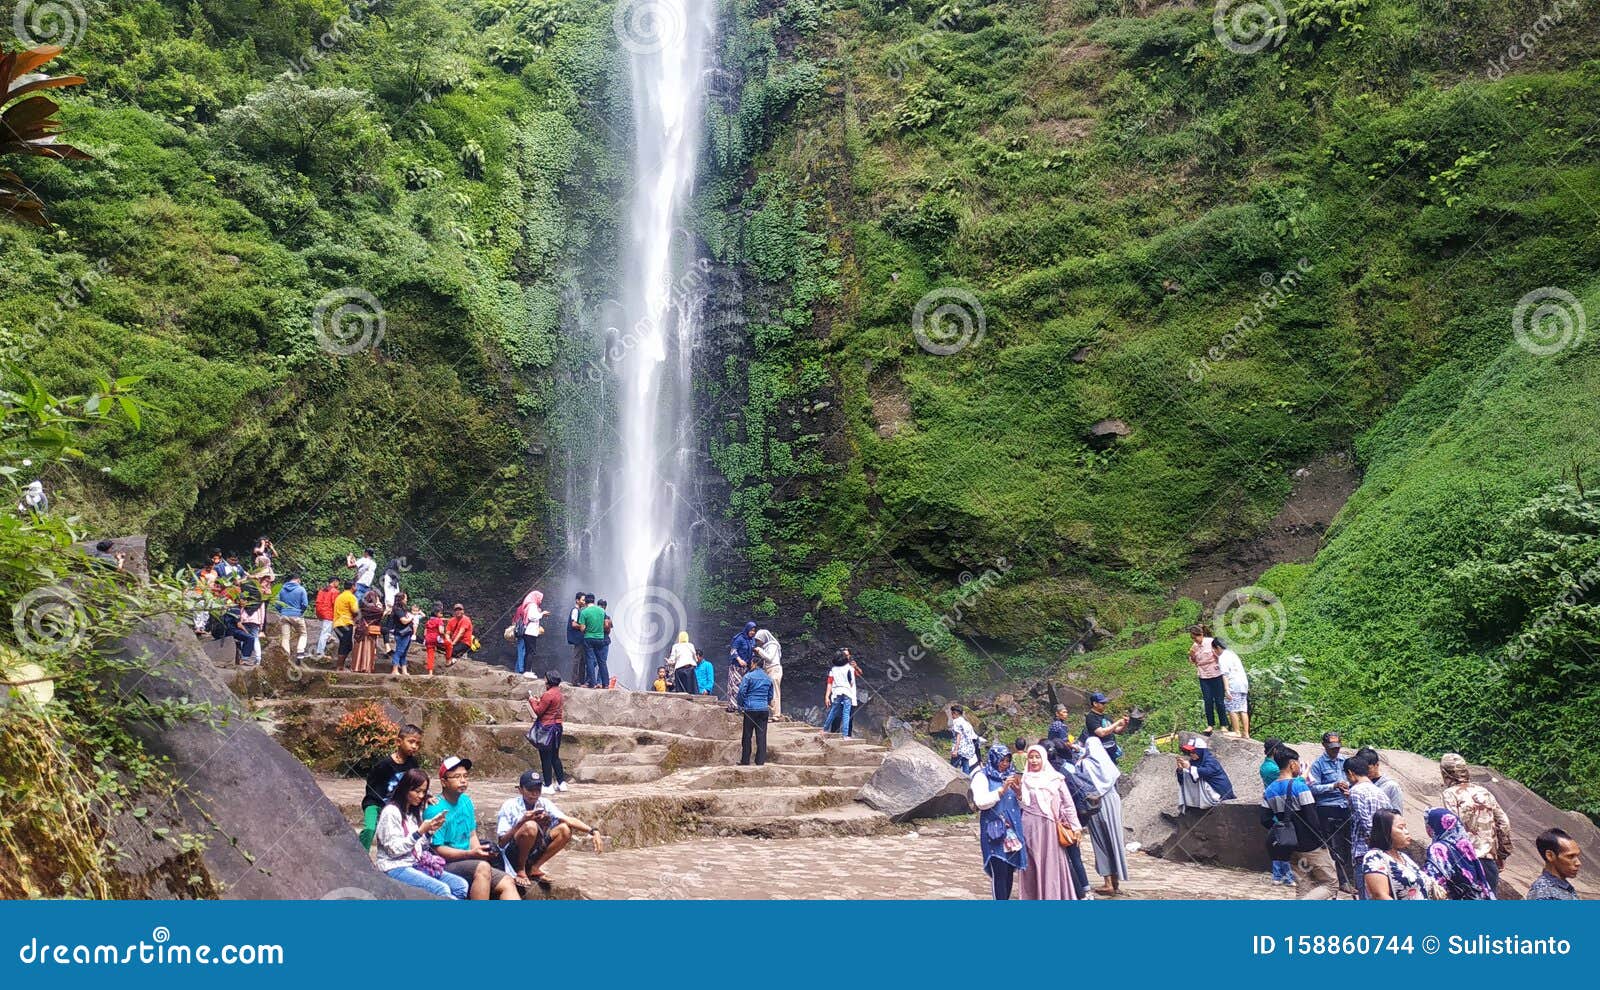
<point>682,662</point>
<point>368,629</point>
<point>995,788</point>
<point>772,657</point>
<point>1047,805</point>
<point>529,626</point>
<point>1202,782</point>
<point>1105,828</point>
<point>1451,860</point>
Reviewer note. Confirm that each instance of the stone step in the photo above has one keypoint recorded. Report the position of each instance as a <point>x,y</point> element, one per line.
<point>640,756</point>
<point>776,775</point>
<point>605,773</point>
<point>845,820</point>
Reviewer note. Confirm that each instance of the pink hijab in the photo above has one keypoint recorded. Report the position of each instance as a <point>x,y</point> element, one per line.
<point>531,605</point>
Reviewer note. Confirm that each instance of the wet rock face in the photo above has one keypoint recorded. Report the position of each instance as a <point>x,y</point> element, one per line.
<point>915,782</point>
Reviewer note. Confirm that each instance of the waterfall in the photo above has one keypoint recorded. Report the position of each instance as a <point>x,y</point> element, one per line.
<point>640,552</point>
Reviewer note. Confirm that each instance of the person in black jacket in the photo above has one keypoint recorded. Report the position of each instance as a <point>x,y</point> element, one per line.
<point>1295,830</point>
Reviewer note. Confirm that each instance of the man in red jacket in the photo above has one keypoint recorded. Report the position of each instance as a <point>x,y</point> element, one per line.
<point>325,599</point>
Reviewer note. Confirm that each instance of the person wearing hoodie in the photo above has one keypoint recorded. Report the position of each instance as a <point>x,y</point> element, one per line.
<point>292,603</point>
<point>1202,782</point>
<point>1480,815</point>
<point>740,653</point>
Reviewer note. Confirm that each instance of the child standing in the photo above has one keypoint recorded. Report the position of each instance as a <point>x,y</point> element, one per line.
<point>433,633</point>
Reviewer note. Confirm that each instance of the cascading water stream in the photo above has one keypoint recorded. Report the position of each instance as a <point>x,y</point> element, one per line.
<point>640,553</point>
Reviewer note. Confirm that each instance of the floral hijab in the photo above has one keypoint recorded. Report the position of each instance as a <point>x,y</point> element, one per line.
<point>1451,859</point>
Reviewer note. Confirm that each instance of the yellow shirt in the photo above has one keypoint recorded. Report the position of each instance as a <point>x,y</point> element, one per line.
<point>345,608</point>
<point>660,685</point>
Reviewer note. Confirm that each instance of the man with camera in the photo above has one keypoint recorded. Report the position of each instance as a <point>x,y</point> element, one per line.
<point>1096,722</point>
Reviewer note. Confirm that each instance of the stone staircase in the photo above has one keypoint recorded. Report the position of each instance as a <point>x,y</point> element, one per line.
<point>646,768</point>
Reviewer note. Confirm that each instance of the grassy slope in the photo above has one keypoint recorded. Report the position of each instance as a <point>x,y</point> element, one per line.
<point>201,255</point>
<point>1105,176</point>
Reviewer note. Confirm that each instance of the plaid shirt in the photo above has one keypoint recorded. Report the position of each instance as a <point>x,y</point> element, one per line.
<point>1365,800</point>
<point>1551,888</point>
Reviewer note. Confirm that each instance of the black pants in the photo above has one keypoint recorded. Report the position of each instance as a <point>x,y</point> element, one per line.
<point>755,724</point>
<point>550,759</point>
<point>1336,827</point>
<point>580,664</point>
<point>346,636</point>
<point>1212,692</point>
<point>683,680</point>
<point>1002,873</point>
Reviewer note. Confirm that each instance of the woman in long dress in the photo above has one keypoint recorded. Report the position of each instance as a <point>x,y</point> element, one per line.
<point>1105,828</point>
<point>771,653</point>
<point>1046,802</point>
<point>995,787</point>
<point>364,647</point>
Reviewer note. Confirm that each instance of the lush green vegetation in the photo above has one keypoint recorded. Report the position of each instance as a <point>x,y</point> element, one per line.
<point>415,181</point>
<point>1250,260</point>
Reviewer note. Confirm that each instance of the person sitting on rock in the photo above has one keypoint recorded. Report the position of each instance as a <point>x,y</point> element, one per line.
<point>457,839</point>
<point>457,635</point>
<point>1202,782</point>
<point>530,831</point>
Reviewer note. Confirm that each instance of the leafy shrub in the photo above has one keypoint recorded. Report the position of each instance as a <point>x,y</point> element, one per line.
<point>362,737</point>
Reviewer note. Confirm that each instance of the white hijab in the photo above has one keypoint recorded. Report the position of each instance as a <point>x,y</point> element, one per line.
<point>1098,766</point>
<point>767,646</point>
<point>1037,785</point>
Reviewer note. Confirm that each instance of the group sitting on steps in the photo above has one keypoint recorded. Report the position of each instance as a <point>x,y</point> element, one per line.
<point>432,843</point>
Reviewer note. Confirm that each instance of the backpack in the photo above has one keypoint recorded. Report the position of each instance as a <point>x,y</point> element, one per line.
<point>1086,804</point>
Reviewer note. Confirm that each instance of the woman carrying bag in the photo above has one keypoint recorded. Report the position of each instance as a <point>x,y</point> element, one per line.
<point>1049,827</point>
<point>368,630</point>
<point>548,713</point>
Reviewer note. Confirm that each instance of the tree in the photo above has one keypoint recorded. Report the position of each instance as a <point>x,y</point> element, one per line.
<point>318,132</point>
<point>28,126</point>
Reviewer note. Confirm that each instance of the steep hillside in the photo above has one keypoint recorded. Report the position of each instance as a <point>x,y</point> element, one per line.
<point>1099,211</point>
<point>337,243</point>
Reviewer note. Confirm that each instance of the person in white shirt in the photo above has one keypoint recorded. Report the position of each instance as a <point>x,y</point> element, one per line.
<point>772,662</point>
<point>530,830</point>
<point>839,696</point>
<point>1237,700</point>
<point>366,569</point>
<point>683,663</point>
<point>965,755</point>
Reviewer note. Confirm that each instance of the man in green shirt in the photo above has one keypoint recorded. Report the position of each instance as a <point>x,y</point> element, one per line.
<point>596,644</point>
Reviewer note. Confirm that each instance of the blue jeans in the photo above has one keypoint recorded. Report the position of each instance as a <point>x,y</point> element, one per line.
<point>1080,876</point>
<point>1281,870</point>
<point>246,635</point>
<point>839,711</point>
<point>402,646</point>
<point>595,652</point>
<point>527,647</point>
<point>447,885</point>
<point>361,592</point>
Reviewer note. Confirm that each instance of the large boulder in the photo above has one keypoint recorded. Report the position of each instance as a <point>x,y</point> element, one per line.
<point>270,831</point>
<point>915,782</point>
<point>679,713</point>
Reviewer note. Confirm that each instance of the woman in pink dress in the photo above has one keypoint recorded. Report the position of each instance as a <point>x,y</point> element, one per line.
<point>1046,802</point>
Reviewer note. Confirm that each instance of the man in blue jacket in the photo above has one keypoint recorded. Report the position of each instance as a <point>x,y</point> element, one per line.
<point>292,602</point>
<point>1332,790</point>
<point>755,701</point>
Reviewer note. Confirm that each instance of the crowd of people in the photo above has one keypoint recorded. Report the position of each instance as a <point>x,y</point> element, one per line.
<point>362,616</point>
<point>433,842</point>
<point>1332,826</point>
